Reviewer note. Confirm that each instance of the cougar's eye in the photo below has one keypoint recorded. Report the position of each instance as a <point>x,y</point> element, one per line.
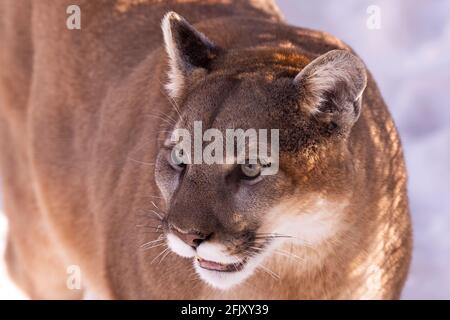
<point>251,171</point>
<point>177,159</point>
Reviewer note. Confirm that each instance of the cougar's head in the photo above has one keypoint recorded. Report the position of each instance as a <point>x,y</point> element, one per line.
<point>229,216</point>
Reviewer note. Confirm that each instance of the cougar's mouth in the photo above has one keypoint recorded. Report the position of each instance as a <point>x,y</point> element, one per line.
<point>224,275</point>
<point>221,267</point>
<point>213,263</point>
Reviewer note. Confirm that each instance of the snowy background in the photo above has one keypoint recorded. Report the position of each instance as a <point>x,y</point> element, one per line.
<point>409,56</point>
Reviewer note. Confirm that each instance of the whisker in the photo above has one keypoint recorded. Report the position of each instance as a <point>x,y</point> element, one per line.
<point>257,249</point>
<point>163,115</point>
<point>153,241</point>
<point>272,234</point>
<point>159,227</point>
<point>157,232</point>
<point>161,253</point>
<point>149,226</point>
<point>270,272</point>
<point>273,237</point>
<point>158,197</point>
<point>164,256</point>
<point>166,132</point>
<point>157,214</point>
<point>154,246</point>
<point>168,117</point>
<point>154,205</point>
<point>150,216</point>
<point>160,118</point>
<point>142,162</point>
<point>288,255</point>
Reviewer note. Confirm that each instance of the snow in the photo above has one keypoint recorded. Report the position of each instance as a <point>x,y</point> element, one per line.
<point>409,57</point>
<point>7,288</point>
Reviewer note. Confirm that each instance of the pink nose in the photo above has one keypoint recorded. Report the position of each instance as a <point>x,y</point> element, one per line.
<point>192,239</point>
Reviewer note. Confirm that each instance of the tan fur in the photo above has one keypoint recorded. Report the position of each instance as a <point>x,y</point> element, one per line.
<point>79,113</point>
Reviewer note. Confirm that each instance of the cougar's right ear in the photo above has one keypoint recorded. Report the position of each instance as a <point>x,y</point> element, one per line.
<point>187,48</point>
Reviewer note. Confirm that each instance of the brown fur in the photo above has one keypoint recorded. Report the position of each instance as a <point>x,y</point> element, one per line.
<point>78,108</point>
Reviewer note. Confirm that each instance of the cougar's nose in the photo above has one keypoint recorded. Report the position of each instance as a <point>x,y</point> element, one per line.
<point>192,239</point>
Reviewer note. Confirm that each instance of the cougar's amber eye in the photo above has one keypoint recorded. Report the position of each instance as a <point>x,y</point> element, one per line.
<point>176,159</point>
<point>251,171</point>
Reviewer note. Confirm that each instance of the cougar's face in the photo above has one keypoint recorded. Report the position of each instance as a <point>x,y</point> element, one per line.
<point>228,217</point>
<point>215,212</point>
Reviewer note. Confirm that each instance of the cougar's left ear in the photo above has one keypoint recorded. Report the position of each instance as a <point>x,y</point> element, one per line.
<point>187,48</point>
<point>331,87</point>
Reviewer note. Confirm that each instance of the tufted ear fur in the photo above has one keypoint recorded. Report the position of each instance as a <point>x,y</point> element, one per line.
<point>187,48</point>
<point>331,88</point>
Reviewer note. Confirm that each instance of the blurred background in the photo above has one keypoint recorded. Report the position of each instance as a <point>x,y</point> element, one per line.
<point>406,46</point>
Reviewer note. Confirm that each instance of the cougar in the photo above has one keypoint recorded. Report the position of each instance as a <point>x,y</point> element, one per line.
<point>92,183</point>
